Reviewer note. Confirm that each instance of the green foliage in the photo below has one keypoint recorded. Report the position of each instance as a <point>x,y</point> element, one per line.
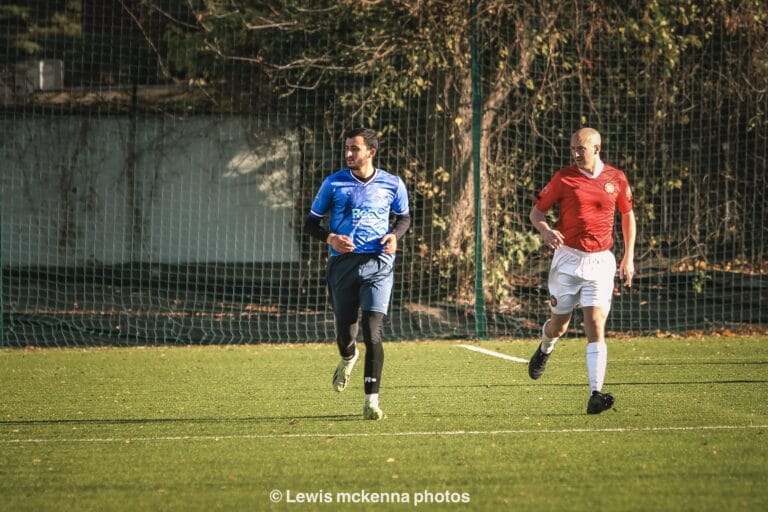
<point>537,60</point>
<point>37,27</point>
<point>641,71</point>
<point>700,279</point>
<point>515,249</point>
<point>188,55</point>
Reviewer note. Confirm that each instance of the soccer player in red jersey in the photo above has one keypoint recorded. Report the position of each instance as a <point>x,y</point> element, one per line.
<point>587,195</point>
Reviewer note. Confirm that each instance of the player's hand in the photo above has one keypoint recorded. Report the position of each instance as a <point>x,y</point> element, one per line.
<point>341,243</point>
<point>390,243</point>
<point>626,272</point>
<point>553,238</point>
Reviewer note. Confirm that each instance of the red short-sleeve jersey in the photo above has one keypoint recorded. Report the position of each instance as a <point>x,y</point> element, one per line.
<point>587,205</point>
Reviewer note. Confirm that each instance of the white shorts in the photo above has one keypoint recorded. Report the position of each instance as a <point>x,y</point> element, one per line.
<point>581,279</point>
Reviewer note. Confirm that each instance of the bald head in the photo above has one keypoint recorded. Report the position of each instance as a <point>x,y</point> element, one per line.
<point>585,148</point>
<point>586,135</point>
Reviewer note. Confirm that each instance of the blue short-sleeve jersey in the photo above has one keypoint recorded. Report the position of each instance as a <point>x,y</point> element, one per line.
<point>361,210</point>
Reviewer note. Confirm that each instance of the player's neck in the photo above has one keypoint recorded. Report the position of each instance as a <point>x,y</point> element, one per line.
<point>594,170</point>
<point>364,173</point>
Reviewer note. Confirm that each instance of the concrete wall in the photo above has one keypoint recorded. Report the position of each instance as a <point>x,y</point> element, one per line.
<point>112,190</point>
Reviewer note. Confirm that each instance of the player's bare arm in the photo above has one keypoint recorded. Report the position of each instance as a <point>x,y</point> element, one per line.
<point>552,237</point>
<point>629,232</point>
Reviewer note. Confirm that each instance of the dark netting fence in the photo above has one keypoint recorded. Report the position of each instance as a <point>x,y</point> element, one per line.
<point>158,157</point>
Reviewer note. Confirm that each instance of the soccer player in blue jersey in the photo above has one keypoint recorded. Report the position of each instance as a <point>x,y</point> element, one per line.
<point>359,202</point>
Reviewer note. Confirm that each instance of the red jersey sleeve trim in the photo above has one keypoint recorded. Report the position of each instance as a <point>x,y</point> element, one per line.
<point>549,195</point>
<point>625,199</point>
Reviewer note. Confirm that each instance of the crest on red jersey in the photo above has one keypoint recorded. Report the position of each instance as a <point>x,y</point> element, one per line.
<point>610,188</point>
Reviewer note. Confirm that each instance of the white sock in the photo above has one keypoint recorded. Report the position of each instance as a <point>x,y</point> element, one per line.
<point>372,400</point>
<point>547,343</point>
<point>597,360</point>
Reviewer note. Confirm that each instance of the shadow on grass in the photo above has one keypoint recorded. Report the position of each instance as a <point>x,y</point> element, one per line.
<point>575,385</point>
<point>146,421</point>
<point>675,383</point>
<point>699,363</point>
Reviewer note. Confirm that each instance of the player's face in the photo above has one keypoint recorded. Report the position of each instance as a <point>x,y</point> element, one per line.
<point>357,154</point>
<point>585,151</point>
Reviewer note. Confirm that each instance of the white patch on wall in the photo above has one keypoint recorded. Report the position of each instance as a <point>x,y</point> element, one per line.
<point>190,190</point>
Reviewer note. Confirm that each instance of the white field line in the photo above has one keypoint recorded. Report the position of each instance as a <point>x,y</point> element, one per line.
<point>494,354</point>
<point>326,435</point>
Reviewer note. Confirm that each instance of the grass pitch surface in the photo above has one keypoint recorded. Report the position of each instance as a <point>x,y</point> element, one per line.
<point>259,428</point>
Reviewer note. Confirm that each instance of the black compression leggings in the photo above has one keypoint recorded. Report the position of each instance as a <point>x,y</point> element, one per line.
<point>372,323</point>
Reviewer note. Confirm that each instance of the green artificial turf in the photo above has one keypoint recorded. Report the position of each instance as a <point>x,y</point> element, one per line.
<point>221,428</point>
